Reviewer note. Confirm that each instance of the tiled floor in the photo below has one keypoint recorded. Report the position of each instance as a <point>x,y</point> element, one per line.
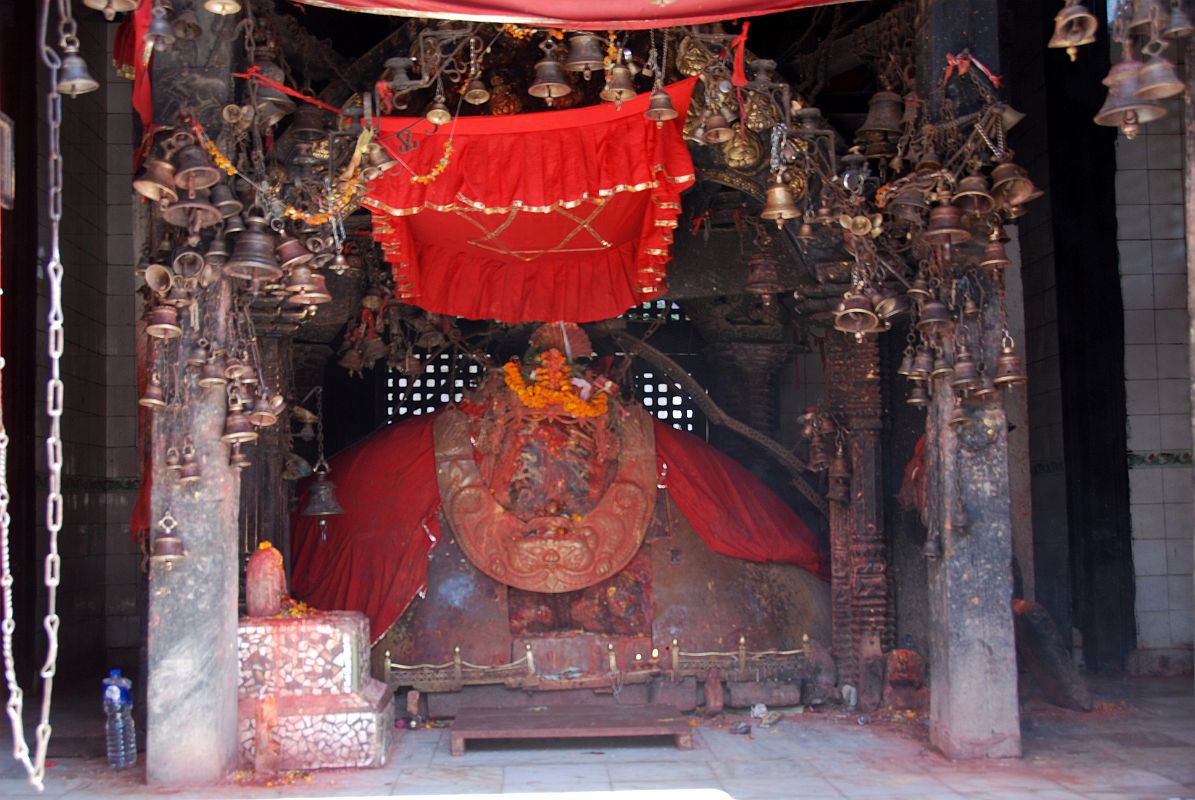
<point>1140,745</point>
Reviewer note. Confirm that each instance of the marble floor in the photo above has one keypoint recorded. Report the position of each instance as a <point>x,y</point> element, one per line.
<point>1138,744</point>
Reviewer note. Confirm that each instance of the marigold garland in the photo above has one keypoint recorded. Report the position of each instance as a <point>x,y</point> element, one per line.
<point>438,169</point>
<point>552,387</point>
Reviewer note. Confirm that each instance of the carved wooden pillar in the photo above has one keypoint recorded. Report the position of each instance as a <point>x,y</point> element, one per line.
<point>842,643</point>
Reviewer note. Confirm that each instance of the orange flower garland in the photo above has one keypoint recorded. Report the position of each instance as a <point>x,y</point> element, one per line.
<point>552,387</point>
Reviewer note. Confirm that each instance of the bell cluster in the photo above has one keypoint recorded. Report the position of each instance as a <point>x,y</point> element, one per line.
<point>820,430</point>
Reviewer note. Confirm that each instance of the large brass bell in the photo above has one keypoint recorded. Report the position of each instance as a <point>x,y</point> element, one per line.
<point>300,280</point>
<point>1011,185</point>
<point>1074,26</point>
<point>1123,109</point>
<point>966,374</point>
<point>942,367</point>
<point>193,169</point>
<point>313,296</point>
<point>935,318</point>
<point>855,314</point>
<point>192,213</point>
<point>945,226</point>
<point>1009,368</point>
<point>1158,80</point>
<point>585,54</point>
<point>222,198</point>
<point>763,275</point>
<point>308,124</point>
<point>779,205</point>
<point>883,124</point>
<point>291,252</point>
<point>972,196</point>
<point>619,86</point>
<point>272,104</point>
<point>550,81</point>
<point>253,255</point>
<point>156,181</point>
<point>659,107</point>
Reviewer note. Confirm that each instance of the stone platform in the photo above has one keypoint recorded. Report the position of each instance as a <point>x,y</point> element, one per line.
<point>330,713</point>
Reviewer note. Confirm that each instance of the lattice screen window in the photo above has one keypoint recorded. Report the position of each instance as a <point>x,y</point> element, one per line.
<point>652,310</point>
<point>668,402</point>
<point>437,386</point>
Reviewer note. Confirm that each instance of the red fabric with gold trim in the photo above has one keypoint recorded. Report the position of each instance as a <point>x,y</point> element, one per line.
<point>564,215</point>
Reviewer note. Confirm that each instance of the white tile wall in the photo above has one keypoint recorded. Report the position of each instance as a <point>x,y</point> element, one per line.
<point>1149,196</point>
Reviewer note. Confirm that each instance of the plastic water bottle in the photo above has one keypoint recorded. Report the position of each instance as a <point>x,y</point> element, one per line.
<point>121,735</point>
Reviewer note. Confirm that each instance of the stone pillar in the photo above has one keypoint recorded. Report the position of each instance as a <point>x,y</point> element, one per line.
<point>842,643</point>
<point>191,719</point>
<point>746,389</point>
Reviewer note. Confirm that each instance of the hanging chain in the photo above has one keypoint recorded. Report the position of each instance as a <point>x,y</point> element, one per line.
<point>35,767</point>
<point>321,466</point>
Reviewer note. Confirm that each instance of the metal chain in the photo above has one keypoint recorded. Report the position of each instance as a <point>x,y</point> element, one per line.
<point>36,767</point>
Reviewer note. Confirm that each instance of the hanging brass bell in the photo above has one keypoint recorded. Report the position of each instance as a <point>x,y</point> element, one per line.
<point>221,197</point>
<point>234,224</point>
<point>190,472</point>
<point>855,314</point>
<point>1123,109</point>
<point>437,113</point>
<point>212,375</point>
<point>156,181</point>
<point>945,226</point>
<point>550,81</point>
<point>272,104</point>
<point>1144,12</point>
<point>291,252</point>
<point>308,124</point>
<point>959,416</point>
<point>1011,185</point>
<point>321,497</point>
<point>216,254</point>
<point>313,296</point>
<point>1158,80</point>
<point>238,459</point>
<point>763,275</point>
<point>235,368</point>
<point>819,457</point>
<point>159,278</point>
<point>972,196</point>
<point>223,8</point>
<point>159,35</point>
<point>110,8</point>
<point>253,254</point>
<point>300,279</point>
<point>909,206</point>
<point>994,254</point>
<point>193,169</point>
<point>919,289</point>
<point>199,353</point>
<point>237,427</point>
<point>154,397</point>
<point>475,93</point>
<point>162,322</point>
<point>906,362</point>
<point>1179,26</point>
<point>1074,26</point>
<point>717,130</point>
<point>659,107</point>
<point>942,367</point>
<point>167,548</point>
<point>585,54</point>
<point>966,374</point>
<point>935,319</point>
<point>884,112</point>
<point>840,467</point>
<point>891,303</point>
<point>73,77</point>
<point>1009,368</point>
<point>619,86</point>
<point>174,462</point>
<point>779,205</point>
<point>918,395</point>
<point>923,365</point>
<point>193,213</point>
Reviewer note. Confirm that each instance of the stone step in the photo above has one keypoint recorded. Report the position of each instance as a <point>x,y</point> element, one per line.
<point>325,653</point>
<point>325,731</point>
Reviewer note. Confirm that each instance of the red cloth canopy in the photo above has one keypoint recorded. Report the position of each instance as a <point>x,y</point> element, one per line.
<point>564,215</point>
<point>374,559</point>
<point>575,14</point>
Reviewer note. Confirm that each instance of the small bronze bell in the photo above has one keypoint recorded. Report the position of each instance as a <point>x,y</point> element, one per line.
<point>190,472</point>
<point>891,303</point>
<point>779,205</point>
<point>1009,369</point>
<point>1158,80</point>
<point>199,354</point>
<point>212,375</point>
<point>1011,185</point>
<point>314,296</point>
<point>235,369</point>
<point>959,416</point>
<point>884,112</point>
<point>110,8</point>
<point>222,198</point>
<point>321,496</point>
<point>966,374</point>
<point>238,459</point>
<point>253,254</point>
<point>942,368</point>
<point>272,104</point>
<point>923,365</point>
<point>476,94</point>
<point>717,130</point>
<point>159,35</point>
<point>919,290</point>
<point>192,213</point>
<point>935,319</point>
<point>188,262</point>
<point>237,427</point>
<point>154,397</point>
<point>156,181</point>
<point>1074,26</point>
<point>193,169</point>
<point>263,414</point>
<point>840,468</point>
<point>918,395</point>
<point>906,362</point>
<point>855,315</point>
<point>1123,109</point>
<point>1144,12</point>
<point>945,226</point>
<point>216,253</point>
<point>1179,26</point>
<point>970,308</point>
<point>291,252</point>
<point>763,275</point>
<point>163,322</point>
<point>819,458</point>
<point>159,278</point>
<point>234,225</point>
<point>585,54</point>
<point>174,462</point>
<point>300,280</point>
<point>308,124</point>
<point>909,206</point>
<point>619,86</point>
<point>223,8</point>
<point>994,255</point>
<point>972,197</point>
<point>659,107</point>
<point>167,548</point>
<point>550,81</point>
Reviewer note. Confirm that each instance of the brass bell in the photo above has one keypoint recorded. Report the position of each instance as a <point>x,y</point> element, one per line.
<point>1009,369</point>
<point>217,251</point>
<point>223,8</point>
<point>174,461</point>
<point>1074,26</point>
<point>909,206</point>
<point>73,77</point>
<point>190,472</point>
<point>1179,26</point>
<point>159,35</point>
<point>971,309</point>
<point>779,205</point>
<point>272,104</point>
<point>193,169</point>
<point>659,107</point>
<point>300,279</point>
<point>156,181</point>
<point>1123,109</point>
<point>475,93</point>
<point>234,224</point>
<point>437,113</point>
<point>994,254</point>
<point>923,365</point>
<point>585,54</point>
<point>314,296</point>
<point>321,496</point>
<point>906,362</point>
<point>291,252</point>
<point>222,198</point>
<point>110,8</point>
<point>935,318</point>
<point>235,368</point>
<point>918,395</point>
<point>212,375</point>
<point>1158,80</point>
<point>237,427</point>
<point>238,459</point>
<point>308,124</point>
<point>819,458</point>
<point>959,416</point>
<point>159,278</point>
<point>891,303</point>
<point>550,81</point>
<point>884,112</point>
<point>263,414</point>
<point>167,548</point>
<point>253,254</point>
<point>942,367</point>
<point>154,397</point>
<point>162,322</point>
<point>855,315</point>
<point>972,196</point>
<point>838,492</point>
<point>1011,185</point>
<point>199,353</point>
<point>840,467</point>
<point>945,226</point>
<point>966,374</point>
<point>192,213</point>
<point>763,275</point>
<point>1144,12</point>
<point>717,130</point>
<point>919,289</point>
<point>619,85</point>
<point>188,262</point>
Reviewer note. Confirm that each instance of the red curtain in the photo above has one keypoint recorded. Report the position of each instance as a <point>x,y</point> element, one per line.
<point>576,14</point>
<point>564,215</point>
<point>375,556</point>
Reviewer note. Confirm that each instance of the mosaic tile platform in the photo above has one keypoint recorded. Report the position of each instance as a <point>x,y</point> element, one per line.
<point>330,713</point>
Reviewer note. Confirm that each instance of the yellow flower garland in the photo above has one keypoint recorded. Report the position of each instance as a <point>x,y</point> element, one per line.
<point>553,388</point>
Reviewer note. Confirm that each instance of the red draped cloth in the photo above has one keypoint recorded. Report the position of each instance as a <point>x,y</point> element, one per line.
<point>375,557</point>
<point>564,215</point>
<point>577,14</point>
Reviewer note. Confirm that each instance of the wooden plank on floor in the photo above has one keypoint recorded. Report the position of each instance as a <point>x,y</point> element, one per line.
<point>569,723</point>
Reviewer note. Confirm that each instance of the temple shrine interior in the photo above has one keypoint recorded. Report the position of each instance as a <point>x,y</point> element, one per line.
<point>388,380</point>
